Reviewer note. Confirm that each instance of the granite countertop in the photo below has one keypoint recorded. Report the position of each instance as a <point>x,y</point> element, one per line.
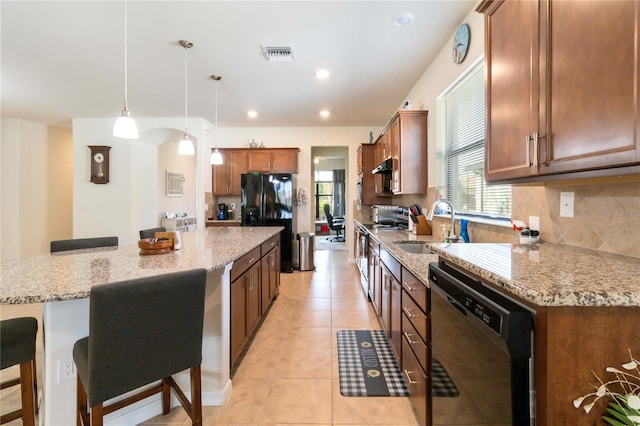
<point>543,274</point>
<point>70,275</point>
<point>234,221</point>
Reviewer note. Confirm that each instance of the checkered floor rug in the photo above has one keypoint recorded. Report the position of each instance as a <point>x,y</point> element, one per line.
<point>443,386</point>
<point>366,365</point>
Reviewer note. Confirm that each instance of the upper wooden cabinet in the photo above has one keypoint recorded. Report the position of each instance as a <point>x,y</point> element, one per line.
<point>226,176</point>
<point>562,89</point>
<point>276,160</point>
<point>236,161</point>
<point>406,137</point>
<point>371,186</point>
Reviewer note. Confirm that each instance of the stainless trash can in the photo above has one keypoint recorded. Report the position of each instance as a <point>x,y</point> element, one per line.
<point>305,252</point>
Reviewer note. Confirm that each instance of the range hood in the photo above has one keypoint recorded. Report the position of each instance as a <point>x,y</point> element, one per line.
<point>384,167</point>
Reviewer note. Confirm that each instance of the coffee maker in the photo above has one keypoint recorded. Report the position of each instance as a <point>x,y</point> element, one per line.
<point>223,211</point>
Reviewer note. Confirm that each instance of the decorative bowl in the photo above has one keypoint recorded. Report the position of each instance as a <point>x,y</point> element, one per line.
<point>154,246</point>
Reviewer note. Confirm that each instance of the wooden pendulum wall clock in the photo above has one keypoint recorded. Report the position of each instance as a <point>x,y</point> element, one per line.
<point>99,163</point>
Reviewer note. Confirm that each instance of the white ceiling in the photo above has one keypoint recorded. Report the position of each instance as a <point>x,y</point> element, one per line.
<point>64,59</point>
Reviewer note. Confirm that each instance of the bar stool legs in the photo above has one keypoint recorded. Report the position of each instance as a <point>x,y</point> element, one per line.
<point>19,347</point>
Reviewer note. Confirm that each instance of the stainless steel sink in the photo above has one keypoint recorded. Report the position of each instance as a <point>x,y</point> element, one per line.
<point>418,247</point>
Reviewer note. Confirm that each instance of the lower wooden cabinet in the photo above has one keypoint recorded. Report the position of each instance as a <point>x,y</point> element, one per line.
<point>391,293</point>
<point>418,383</point>
<point>270,281</point>
<point>255,282</point>
<point>245,309</point>
<point>416,344</point>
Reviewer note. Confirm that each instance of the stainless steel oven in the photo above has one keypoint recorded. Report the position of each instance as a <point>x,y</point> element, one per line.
<point>362,256</point>
<point>482,352</point>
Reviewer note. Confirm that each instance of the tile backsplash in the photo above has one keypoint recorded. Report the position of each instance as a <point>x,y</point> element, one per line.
<point>606,215</point>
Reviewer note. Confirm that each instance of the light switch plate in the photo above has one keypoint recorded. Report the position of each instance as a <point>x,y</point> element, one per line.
<point>534,223</point>
<point>566,204</point>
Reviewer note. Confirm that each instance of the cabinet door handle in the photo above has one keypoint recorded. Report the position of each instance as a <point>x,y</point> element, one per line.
<point>406,372</point>
<point>536,147</point>
<point>527,142</point>
<point>409,341</point>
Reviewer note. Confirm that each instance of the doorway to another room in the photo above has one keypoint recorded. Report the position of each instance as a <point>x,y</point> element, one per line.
<point>329,193</point>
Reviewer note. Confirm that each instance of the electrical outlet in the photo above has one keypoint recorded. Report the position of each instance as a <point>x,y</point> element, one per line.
<point>233,206</point>
<point>534,223</point>
<point>66,370</point>
<point>566,204</point>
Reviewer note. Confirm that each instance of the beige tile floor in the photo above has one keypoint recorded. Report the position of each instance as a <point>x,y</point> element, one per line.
<point>289,375</point>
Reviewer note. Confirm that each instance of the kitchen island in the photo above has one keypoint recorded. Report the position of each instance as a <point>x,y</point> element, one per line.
<point>586,304</point>
<point>62,283</point>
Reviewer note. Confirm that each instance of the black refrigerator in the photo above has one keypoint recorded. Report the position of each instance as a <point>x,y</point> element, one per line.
<point>267,200</point>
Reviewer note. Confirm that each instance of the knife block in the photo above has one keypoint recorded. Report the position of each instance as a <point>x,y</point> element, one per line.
<point>422,227</point>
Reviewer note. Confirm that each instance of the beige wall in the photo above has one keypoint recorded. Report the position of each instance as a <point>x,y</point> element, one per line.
<point>36,187</point>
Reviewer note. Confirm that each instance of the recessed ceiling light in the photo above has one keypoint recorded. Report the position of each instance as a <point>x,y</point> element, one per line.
<point>322,74</point>
<point>252,114</point>
<point>403,19</point>
<point>324,113</point>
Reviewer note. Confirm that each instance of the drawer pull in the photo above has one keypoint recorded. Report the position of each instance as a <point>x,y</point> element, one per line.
<point>407,336</point>
<point>406,372</point>
<point>408,313</point>
<point>251,260</point>
<point>408,286</point>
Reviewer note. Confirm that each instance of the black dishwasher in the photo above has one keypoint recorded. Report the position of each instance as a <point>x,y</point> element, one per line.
<point>482,348</point>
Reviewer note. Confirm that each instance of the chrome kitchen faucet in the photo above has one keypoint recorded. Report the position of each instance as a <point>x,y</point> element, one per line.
<point>452,238</point>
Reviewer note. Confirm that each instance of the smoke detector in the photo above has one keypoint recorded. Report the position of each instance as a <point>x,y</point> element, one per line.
<point>278,53</point>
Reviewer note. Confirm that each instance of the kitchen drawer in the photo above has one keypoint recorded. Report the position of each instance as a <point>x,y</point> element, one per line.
<point>416,289</point>
<point>269,244</point>
<point>391,262</point>
<point>244,263</point>
<point>418,384</point>
<point>417,316</point>
<point>410,334</point>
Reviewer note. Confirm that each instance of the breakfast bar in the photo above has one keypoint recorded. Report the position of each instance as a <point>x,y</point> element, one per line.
<point>62,283</point>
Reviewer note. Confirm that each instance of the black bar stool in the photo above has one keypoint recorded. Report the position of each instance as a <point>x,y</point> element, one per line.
<point>18,346</point>
<point>83,243</point>
<point>141,331</point>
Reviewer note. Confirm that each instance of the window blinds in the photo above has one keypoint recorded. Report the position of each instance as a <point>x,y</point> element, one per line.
<point>464,155</point>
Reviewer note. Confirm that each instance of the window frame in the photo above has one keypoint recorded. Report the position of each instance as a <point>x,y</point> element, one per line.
<point>445,153</point>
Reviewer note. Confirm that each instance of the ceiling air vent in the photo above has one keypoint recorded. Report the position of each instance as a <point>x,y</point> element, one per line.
<point>278,53</point>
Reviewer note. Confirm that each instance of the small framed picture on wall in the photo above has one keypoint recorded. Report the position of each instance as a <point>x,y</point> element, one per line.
<point>175,183</point>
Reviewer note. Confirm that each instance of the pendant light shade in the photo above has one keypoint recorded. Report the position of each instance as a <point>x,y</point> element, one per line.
<point>216,155</point>
<point>186,147</point>
<point>125,126</point>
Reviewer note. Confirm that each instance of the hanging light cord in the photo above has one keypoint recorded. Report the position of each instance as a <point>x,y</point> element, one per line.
<point>217,114</point>
<point>126,107</point>
<point>185,92</point>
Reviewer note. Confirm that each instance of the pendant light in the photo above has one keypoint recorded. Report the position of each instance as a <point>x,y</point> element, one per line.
<point>216,156</point>
<point>185,147</point>
<point>125,126</point>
